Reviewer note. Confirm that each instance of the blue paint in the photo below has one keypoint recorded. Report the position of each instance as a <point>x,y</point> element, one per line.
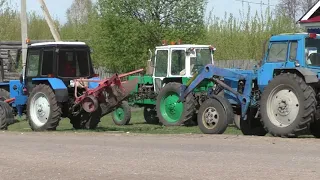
<point>232,74</point>
<point>263,75</point>
<point>92,85</point>
<point>54,82</point>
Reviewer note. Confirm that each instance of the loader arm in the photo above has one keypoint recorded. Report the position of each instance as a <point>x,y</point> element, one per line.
<point>210,72</point>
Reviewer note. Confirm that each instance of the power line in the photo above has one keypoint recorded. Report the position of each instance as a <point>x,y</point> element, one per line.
<point>250,2</point>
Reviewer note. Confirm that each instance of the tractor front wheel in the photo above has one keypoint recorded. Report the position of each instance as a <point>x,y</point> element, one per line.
<point>150,115</point>
<point>122,115</point>
<point>212,117</point>
<point>288,106</point>
<point>43,111</point>
<point>169,111</point>
<point>86,120</point>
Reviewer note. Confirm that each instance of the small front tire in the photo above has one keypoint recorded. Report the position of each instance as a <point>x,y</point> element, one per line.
<point>212,117</point>
<point>122,115</point>
<point>150,114</point>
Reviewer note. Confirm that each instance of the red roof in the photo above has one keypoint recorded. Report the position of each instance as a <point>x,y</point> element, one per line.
<point>311,20</point>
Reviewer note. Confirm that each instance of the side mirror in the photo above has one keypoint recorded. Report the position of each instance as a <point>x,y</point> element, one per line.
<point>151,59</point>
<point>21,79</point>
<point>91,50</point>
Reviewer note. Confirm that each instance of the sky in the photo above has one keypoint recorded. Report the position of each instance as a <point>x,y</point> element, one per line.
<point>58,8</point>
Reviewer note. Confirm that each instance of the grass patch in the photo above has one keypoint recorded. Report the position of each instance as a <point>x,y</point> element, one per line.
<point>137,125</point>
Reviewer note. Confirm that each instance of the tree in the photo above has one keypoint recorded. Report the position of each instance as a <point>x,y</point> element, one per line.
<point>80,17</point>
<point>290,8</point>
<point>307,4</point>
<point>294,9</point>
<point>79,11</point>
<point>130,27</point>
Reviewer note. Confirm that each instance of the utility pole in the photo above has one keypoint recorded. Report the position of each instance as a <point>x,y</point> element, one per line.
<point>24,35</point>
<point>49,20</point>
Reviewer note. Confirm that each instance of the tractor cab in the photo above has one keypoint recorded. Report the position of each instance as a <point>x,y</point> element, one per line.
<point>291,51</point>
<point>62,60</point>
<point>179,61</point>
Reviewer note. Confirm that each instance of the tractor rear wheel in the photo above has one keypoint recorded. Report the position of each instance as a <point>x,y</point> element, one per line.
<point>4,94</point>
<point>43,111</point>
<point>213,117</point>
<point>252,126</point>
<point>6,115</point>
<point>150,115</point>
<point>288,105</point>
<point>169,111</point>
<point>122,115</point>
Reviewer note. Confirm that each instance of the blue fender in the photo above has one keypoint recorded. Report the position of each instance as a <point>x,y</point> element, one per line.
<point>60,89</point>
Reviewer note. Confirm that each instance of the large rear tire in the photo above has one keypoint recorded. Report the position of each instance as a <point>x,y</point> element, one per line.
<point>212,117</point>
<point>6,115</point>
<point>43,111</point>
<point>122,115</point>
<point>288,106</point>
<point>4,94</point>
<point>169,111</point>
<point>150,115</point>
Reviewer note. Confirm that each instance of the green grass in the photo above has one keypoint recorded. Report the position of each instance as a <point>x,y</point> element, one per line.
<point>136,125</point>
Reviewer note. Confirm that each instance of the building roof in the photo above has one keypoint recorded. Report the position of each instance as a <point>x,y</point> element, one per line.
<point>311,15</point>
<point>58,43</point>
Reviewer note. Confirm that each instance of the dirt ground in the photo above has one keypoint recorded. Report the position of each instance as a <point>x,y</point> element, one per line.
<point>136,156</point>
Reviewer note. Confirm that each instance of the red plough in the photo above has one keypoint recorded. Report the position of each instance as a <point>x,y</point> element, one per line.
<point>111,92</point>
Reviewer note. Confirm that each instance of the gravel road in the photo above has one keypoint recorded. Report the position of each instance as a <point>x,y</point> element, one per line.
<point>164,157</point>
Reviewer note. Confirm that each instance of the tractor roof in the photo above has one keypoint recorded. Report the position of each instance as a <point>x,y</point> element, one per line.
<point>57,43</point>
<point>183,46</point>
<point>289,36</point>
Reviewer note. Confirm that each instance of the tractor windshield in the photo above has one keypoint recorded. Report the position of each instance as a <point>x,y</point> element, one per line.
<point>312,52</point>
<point>74,63</point>
<point>201,58</point>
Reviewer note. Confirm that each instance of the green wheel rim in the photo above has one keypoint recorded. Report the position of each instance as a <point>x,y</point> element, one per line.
<point>170,109</point>
<point>119,114</point>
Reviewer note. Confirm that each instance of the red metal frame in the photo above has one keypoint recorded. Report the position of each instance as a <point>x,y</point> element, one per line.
<point>103,85</point>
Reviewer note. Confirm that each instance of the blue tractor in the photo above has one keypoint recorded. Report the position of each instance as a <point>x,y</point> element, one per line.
<point>281,97</point>
<point>58,81</point>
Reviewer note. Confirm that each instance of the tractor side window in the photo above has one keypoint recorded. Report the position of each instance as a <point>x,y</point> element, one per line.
<point>47,63</point>
<point>278,52</point>
<point>82,64</point>
<point>67,64</point>
<point>161,63</point>
<point>33,63</point>
<point>178,62</point>
<point>293,51</point>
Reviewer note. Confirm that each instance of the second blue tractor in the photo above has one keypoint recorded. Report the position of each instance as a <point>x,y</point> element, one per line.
<point>281,97</point>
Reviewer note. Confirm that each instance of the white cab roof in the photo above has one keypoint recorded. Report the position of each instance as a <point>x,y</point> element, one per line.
<point>58,43</point>
<point>183,46</point>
